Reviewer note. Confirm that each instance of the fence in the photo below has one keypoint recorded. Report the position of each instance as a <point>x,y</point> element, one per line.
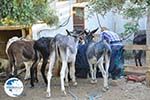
<point>133,68</point>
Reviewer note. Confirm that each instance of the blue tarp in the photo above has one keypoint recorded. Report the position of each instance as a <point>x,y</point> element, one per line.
<point>82,66</point>
<point>81,60</point>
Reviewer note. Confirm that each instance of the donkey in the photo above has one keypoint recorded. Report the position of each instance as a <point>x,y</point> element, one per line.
<point>20,51</point>
<point>64,49</point>
<point>139,39</point>
<point>41,46</point>
<point>96,52</point>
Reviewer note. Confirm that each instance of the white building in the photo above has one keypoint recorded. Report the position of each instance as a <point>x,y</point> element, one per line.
<point>65,12</point>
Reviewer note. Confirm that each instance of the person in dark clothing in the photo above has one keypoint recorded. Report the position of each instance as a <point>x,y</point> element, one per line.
<point>116,63</point>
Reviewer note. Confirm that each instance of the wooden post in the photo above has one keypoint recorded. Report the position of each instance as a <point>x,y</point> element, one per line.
<point>30,32</point>
<point>27,32</point>
<point>148,46</point>
<point>23,32</point>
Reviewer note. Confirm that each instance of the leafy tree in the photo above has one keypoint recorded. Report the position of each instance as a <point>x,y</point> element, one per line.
<point>26,12</point>
<point>103,6</point>
<point>131,9</point>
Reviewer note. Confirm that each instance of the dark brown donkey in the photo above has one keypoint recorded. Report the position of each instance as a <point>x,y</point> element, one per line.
<point>20,51</point>
<point>139,39</point>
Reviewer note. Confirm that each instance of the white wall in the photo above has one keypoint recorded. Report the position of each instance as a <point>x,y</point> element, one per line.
<point>113,21</point>
<point>63,10</point>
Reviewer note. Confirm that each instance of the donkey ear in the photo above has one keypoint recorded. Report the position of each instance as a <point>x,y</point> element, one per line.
<point>86,33</point>
<point>68,33</point>
<point>92,32</point>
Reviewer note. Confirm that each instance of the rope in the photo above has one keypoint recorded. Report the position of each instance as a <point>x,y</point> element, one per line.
<point>68,19</point>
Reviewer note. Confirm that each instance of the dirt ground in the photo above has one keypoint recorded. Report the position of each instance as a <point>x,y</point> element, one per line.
<point>84,91</point>
<point>123,90</point>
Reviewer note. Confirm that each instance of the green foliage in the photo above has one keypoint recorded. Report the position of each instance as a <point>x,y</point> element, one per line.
<point>148,2</point>
<point>139,2</point>
<point>26,12</point>
<point>135,13</point>
<point>131,28</point>
<point>134,9</point>
<point>103,6</point>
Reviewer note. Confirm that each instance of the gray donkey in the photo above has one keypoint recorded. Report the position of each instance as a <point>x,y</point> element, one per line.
<point>64,49</point>
<point>97,53</point>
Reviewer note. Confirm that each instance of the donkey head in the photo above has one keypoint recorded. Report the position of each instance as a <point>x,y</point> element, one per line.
<point>76,33</point>
<point>89,35</point>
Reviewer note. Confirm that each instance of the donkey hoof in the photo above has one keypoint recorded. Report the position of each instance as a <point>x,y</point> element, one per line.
<point>107,88</point>
<point>48,95</point>
<point>104,89</point>
<point>31,87</point>
<point>93,81</point>
<point>67,84</point>
<point>65,93</point>
<point>75,83</point>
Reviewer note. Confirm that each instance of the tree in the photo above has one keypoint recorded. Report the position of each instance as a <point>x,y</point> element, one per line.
<point>131,9</point>
<point>26,12</point>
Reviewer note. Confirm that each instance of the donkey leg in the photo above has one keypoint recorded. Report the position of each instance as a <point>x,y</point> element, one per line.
<point>101,67</point>
<point>14,69</point>
<point>27,74</point>
<point>32,72</point>
<point>66,77</point>
<point>136,61</point>
<point>140,56</point>
<point>140,63</point>
<point>107,63</point>
<point>43,69</point>
<point>135,57</point>
<point>94,68</point>
<point>92,72</point>
<point>72,73</point>
<point>62,75</point>
<point>36,73</point>
<point>49,74</point>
